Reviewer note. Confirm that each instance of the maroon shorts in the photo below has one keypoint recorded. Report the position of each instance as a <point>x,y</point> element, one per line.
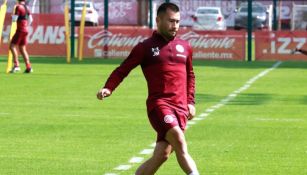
<point>163,118</point>
<point>20,38</point>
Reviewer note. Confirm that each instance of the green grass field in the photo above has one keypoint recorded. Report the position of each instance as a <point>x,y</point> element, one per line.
<point>52,124</point>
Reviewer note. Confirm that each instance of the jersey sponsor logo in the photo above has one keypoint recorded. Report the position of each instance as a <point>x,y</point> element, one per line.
<point>180,55</point>
<point>155,51</point>
<point>168,119</point>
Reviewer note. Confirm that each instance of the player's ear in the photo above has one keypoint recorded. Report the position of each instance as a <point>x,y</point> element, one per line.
<point>157,19</point>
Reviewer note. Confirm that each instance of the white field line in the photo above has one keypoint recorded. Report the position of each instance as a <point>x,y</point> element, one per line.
<point>138,159</point>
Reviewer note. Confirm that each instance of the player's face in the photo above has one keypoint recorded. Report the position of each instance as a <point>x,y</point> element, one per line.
<point>168,23</point>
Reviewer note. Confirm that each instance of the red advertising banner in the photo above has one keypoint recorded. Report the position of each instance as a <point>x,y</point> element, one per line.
<point>48,39</point>
<point>118,42</point>
<point>279,45</point>
<point>216,45</point>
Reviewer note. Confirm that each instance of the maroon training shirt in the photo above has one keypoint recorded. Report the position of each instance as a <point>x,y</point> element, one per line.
<point>167,67</point>
<point>22,14</point>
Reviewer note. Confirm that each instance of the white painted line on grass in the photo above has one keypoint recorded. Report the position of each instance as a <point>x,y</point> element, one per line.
<point>218,106</point>
<point>136,160</point>
<point>209,110</point>
<point>198,119</point>
<point>202,116</point>
<point>146,151</point>
<point>224,101</point>
<point>123,167</point>
<point>233,95</point>
<point>191,122</point>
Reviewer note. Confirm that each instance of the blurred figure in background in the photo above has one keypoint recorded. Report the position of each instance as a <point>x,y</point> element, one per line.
<point>23,18</point>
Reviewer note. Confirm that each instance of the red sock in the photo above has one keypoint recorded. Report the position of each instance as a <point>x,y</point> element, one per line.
<point>28,65</point>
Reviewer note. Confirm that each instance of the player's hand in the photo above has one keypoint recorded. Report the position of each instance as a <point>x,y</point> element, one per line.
<point>102,93</point>
<point>192,111</point>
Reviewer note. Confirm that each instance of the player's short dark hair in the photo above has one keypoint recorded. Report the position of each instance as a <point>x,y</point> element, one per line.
<point>167,5</point>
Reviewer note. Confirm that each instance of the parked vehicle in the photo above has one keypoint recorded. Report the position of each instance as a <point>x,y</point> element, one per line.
<point>91,17</point>
<point>259,16</point>
<point>208,18</point>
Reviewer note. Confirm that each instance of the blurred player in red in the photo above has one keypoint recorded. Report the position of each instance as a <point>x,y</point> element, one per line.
<point>166,62</point>
<point>23,17</point>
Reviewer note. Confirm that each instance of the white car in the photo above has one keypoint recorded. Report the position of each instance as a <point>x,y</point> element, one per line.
<point>208,18</point>
<point>91,17</point>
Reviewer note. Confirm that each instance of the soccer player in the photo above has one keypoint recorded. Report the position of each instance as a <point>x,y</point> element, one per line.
<point>23,17</point>
<point>166,62</point>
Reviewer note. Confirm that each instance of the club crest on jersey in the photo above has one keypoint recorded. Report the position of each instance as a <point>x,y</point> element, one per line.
<point>168,118</point>
<point>180,50</point>
<point>155,51</point>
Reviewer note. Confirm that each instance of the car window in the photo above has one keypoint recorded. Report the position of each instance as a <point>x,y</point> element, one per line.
<point>207,11</point>
<point>243,9</point>
<point>255,9</point>
<point>258,9</point>
<point>81,5</point>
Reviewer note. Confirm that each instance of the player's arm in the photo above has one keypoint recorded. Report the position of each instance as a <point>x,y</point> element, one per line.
<point>16,14</point>
<point>134,59</point>
<point>190,86</point>
<point>30,18</point>
<point>301,51</point>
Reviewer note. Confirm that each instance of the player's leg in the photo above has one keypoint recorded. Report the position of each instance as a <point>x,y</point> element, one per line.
<point>15,41</point>
<point>161,153</point>
<point>163,149</point>
<point>14,52</point>
<point>25,56</point>
<point>176,138</point>
<point>23,51</point>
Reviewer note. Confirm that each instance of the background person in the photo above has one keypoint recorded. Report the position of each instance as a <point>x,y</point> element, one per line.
<point>23,17</point>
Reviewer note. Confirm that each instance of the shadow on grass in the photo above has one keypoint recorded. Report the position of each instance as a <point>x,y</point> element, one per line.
<point>304,100</point>
<point>251,99</point>
<point>250,65</point>
<point>206,98</point>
